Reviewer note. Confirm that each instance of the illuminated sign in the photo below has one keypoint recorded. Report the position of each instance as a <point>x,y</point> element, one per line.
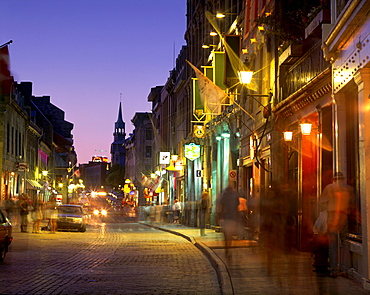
<point>164,158</point>
<point>100,159</point>
<point>192,151</point>
<point>199,131</point>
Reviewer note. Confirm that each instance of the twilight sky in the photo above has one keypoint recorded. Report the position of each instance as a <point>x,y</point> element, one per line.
<point>85,53</point>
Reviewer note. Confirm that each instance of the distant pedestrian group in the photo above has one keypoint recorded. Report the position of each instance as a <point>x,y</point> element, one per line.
<point>21,210</point>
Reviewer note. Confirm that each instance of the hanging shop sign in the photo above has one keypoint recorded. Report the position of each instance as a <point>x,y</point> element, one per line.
<point>199,131</point>
<point>21,167</point>
<point>192,151</point>
<point>164,158</point>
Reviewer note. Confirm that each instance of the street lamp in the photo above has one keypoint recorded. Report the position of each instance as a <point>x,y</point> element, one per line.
<point>306,128</point>
<point>223,15</point>
<point>245,77</point>
<point>206,46</point>
<point>288,135</point>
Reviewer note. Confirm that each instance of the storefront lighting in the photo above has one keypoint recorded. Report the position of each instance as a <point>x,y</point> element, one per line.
<point>288,135</point>
<point>225,134</point>
<point>45,173</point>
<point>306,128</point>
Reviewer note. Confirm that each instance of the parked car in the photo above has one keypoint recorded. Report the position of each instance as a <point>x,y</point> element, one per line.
<point>72,217</point>
<point>5,235</point>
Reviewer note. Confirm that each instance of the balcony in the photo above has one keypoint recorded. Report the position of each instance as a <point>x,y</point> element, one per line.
<point>314,27</point>
<point>290,55</point>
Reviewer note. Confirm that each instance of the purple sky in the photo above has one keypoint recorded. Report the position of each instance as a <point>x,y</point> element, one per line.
<point>84,53</point>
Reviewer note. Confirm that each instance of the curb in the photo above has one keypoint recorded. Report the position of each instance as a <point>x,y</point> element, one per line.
<point>223,275</point>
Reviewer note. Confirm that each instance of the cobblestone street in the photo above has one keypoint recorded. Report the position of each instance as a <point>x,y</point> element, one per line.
<point>113,259</point>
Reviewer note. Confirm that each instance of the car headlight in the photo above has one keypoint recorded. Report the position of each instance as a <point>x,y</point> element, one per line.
<point>104,212</point>
<point>96,212</point>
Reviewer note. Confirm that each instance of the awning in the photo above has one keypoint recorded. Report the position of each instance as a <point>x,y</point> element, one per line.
<point>33,184</point>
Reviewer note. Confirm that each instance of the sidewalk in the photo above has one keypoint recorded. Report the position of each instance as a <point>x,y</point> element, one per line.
<point>254,270</point>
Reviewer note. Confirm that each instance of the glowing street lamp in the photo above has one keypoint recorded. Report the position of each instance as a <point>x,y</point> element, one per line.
<point>245,77</point>
<point>288,135</point>
<point>223,15</point>
<point>306,128</point>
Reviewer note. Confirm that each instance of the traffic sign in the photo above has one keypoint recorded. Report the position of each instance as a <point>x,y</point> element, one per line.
<point>232,174</point>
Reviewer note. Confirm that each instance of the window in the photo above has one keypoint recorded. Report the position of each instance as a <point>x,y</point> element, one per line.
<point>8,139</point>
<point>148,152</point>
<point>16,143</point>
<point>148,134</point>
<point>20,144</point>
<point>12,141</point>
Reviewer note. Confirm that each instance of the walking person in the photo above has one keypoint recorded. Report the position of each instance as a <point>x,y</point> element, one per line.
<point>204,205</point>
<point>38,215</point>
<point>51,213</point>
<point>23,212</point>
<point>243,216</point>
<point>335,199</point>
<point>9,208</point>
<point>176,208</point>
<point>229,218</point>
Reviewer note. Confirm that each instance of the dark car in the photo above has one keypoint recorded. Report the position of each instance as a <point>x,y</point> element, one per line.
<point>71,217</point>
<point>5,235</point>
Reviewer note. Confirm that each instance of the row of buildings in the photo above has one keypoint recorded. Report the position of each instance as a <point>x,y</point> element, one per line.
<point>38,157</point>
<point>208,129</point>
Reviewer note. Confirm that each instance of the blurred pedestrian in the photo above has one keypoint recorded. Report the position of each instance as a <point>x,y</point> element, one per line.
<point>176,208</point>
<point>24,211</point>
<point>243,216</point>
<point>9,208</point>
<point>187,209</point>
<point>51,213</point>
<point>335,199</point>
<point>152,213</point>
<point>38,215</point>
<point>229,218</point>
<point>16,217</point>
<point>204,205</point>
<point>273,214</point>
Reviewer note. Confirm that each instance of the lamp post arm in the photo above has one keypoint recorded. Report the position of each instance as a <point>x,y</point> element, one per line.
<point>242,108</point>
<point>259,95</point>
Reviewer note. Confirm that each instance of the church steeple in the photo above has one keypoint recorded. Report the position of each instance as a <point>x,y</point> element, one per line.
<point>119,126</point>
<point>118,149</point>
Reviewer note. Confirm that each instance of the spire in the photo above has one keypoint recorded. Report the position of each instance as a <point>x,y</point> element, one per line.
<point>119,126</point>
<point>120,120</point>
